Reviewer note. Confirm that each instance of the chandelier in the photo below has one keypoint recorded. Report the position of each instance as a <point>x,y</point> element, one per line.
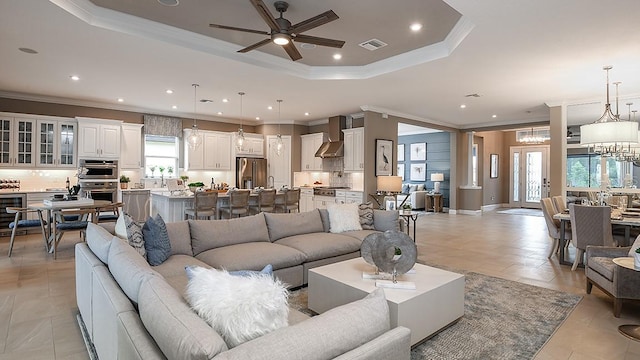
<point>533,137</point>
<point>240,133</point>
<point>195,138</point>
<point>279,143</point>
<point>609,135</point>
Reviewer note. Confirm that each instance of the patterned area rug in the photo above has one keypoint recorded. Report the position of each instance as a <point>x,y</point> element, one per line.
<point>503,320</point>
<point>526,212</point>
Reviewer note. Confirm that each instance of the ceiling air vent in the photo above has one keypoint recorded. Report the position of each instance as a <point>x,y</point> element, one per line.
<point>373,44</point>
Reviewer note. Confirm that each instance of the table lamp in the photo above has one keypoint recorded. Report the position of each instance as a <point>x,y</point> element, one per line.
<point>436,178</point>
<point>389,185</point>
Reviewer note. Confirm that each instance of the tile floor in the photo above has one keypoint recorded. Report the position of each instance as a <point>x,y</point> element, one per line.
<point>37,294</point>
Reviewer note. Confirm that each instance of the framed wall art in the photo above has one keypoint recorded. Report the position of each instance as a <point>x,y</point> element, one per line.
<point>384,157</point>
<point>401,171</point>
<point>418,151</point>
<point>400,152</point>
<point>418,172</point>
<point>493,166</point>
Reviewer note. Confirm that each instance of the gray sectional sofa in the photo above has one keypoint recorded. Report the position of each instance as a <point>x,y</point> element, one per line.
<point>132,310</point>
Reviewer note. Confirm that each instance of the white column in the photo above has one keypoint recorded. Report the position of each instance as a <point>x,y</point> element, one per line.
<point>470,158</point>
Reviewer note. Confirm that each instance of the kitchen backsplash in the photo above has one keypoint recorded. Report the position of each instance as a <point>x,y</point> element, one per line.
<point>40,179</point>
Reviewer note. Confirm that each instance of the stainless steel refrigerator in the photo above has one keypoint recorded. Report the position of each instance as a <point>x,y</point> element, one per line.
<point>251,172</point>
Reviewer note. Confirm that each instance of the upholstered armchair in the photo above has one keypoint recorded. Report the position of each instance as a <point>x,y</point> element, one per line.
<point>618,282</point>
<point>412,194</point>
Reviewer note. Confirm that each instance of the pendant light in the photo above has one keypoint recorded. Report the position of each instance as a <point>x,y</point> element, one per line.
<point>195,138</point>
<point>279,143</point>
<point>240,134</point>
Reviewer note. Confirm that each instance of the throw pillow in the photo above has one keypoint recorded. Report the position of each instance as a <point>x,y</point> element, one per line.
<point>421,187</point>
<point>343,217</point>
<point>239,308</point>
<point>121,227</point>
<point>267,270</point>
<point>413,188</point>
<point>135,236</point>
<point>636,244</point>
<point>366,215</point>
<point>405,188</point>
<point>156,240</point>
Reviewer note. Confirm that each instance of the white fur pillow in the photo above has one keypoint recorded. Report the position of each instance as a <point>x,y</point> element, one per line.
<point>343,217</point>
<point>239,308</point>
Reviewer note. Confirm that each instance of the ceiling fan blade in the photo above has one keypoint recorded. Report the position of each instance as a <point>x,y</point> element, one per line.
<point>239,29</point>
<point>265,14</point>
<point>290,48</point>
<point>313,22</point>
<point>319,41</point>
<point>255,46</point>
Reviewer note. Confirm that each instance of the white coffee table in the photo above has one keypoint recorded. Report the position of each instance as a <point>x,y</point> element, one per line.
<point>437,302</point>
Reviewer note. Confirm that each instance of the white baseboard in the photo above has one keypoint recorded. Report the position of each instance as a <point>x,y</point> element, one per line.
<point>491,207</point>
<point>468,212</point>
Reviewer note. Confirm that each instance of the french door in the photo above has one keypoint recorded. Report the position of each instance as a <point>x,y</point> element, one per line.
<point>528,180</point>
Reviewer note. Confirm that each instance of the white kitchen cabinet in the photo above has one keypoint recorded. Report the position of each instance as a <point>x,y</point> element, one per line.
<point>310,144</point>
<point>98,138</point>
<point>131,146</point>
<point>17,141</point>
<point>253,146</point>
<point>353,149</point>
<point>321,202</point>
<point>56,143</point>
<point>348,197</point>
<point>306,199</point>
<point>213,154</point>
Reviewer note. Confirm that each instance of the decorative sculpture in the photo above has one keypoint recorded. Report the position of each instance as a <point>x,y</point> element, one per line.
<point>391,252</point>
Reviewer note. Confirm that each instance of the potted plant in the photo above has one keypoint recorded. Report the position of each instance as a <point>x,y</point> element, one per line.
<point>184,179</point>
<point>124,181</point>
<point>195,185</point>
<point>170,170</point>
<point>406,207</point>
<point>153,170</point>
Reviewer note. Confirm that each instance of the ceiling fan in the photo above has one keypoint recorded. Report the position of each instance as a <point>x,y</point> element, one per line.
<point>283,33</point>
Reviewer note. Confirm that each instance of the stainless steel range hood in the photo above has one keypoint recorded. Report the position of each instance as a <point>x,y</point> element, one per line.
<point>333,148</point>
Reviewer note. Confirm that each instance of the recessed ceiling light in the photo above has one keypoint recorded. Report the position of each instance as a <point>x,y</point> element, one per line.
<point>415,27</point>
<point>463,106</point>
<point>225,100</point>
<point>120,100</point>
<point>306,114</point>
<point>308,46</point>
<point>494,116</point>
<point>337,56</point>
<point>27,50</point>
<point>270,107</point>
<point>219,112</point>
<point>257,117</point>
<point>169,2</point>
<point>174,107</point>
<point>74,77</point>
<point>169,91</point>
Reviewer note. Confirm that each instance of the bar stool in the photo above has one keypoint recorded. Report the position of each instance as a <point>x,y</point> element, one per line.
<point>238,203</point>
<point>265,203</point>
<point>205,205</point>
<point>291,201</point>
<point>109,213</point>
<point>20,221</point>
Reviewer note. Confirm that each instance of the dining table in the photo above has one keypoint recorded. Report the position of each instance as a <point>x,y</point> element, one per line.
<point>50,207</point>
<point>629,218</point>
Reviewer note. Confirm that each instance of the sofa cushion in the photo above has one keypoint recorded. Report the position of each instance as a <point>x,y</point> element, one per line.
<point>128,268</point>
<point>156,240</point>
<point>180,238</point>
<point>175,265</point>
<point>359,234</point>
<point>179,332</point>
<point>385,220</point>
<point>603,266</point>
<point>283,225</point>
<point>366,215</point>
<point>99,241</point>
<point>343,217</point>
<point>321,245</point>
<point>207,234</point>
<point>238,308</point>
<point>252,256</point>
<point>325,336</point>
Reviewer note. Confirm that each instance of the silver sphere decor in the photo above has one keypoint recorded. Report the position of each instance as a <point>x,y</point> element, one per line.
<point>379,249</point>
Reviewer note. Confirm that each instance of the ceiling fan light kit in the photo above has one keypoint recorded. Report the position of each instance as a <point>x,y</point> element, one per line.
<point>283,33</point>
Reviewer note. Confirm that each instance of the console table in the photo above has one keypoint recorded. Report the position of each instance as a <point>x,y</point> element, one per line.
<point>433,202</point>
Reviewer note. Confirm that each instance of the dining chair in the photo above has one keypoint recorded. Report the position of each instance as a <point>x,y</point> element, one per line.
<point>553,225</point>
<point>109,213</point>
<point>205,205</point>
<point>265,202</point>
<point>559,203</point>
<point>238,203</point>
<point>290,202</point>
<point>590,225</point>
<point>62,224</point>
<point>21,221</point>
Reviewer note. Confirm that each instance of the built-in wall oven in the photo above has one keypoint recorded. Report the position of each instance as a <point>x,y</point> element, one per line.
<point>99,190</point>
<point>12,200</point>
<point>98,169</point>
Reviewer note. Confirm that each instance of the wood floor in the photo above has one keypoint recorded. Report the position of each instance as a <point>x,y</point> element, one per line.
<point>37,294</point>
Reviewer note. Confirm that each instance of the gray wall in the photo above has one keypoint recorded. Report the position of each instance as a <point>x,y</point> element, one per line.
<point>438,159</point>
